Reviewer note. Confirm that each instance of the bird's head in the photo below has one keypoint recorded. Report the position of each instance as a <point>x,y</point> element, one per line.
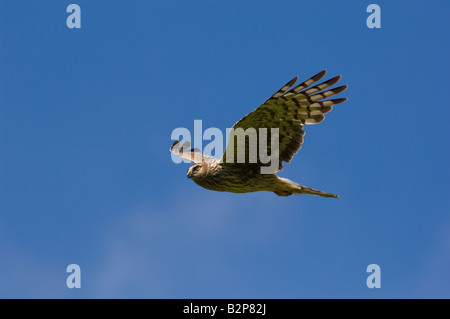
<point>194,170</point>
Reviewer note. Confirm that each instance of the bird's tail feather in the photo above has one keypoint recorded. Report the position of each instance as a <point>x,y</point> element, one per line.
<point>312,191</point>
<point>288,187</point>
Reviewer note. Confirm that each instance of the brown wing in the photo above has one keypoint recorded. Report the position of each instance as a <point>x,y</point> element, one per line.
<point>289,111</point>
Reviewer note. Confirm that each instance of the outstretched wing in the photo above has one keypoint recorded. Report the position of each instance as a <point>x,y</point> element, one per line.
<point>193,155</point>
<point>289,111</point>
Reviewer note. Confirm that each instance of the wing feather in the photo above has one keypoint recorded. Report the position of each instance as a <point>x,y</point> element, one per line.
<point>289,110</point>
<point>193,155</point>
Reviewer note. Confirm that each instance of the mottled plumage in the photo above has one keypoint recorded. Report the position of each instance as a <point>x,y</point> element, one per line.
<point>289,110</point>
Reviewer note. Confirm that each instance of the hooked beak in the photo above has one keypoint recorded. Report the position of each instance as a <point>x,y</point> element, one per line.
<point>189,174</point>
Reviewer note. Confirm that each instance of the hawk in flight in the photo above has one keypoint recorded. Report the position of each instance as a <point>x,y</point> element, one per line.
<point>288,110</point>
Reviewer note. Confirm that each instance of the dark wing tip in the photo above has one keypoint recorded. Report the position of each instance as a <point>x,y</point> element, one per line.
<point>292,82</point>
<point>334,80</point>
<point>339,101</point>
<point>343,88</point>
<point>285,88</point>
<point>321,74</point>
<point>174,144</point>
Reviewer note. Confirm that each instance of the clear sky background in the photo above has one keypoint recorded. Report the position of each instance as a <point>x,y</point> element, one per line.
<point>86,176</point>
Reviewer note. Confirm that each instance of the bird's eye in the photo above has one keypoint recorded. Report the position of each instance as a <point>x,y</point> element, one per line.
<point>196,168</point>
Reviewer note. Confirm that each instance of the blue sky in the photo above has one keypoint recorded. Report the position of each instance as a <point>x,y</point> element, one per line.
<point>86,177</point>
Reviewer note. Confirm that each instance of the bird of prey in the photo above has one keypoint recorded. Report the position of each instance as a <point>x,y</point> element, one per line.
<point>288,110</point>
